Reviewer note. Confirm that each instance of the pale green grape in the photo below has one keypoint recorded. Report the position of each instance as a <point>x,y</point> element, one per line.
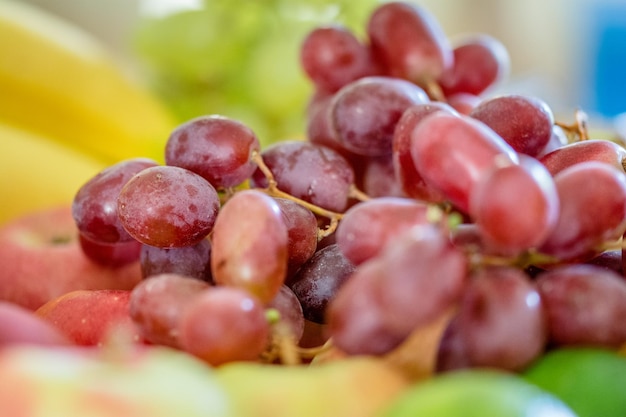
<point>240,58</point>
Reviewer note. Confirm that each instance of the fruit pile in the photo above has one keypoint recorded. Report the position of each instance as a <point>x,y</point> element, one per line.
<point>421,224</point>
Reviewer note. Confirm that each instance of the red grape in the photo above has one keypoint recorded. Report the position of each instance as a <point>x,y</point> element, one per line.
<point>94,207</point>
<point>224,324</point>
<point>523,122</point>
<point>592,211</point>
<point>314,173</point>
<point>156,304</point>
<point>215,147</point>
<point>410,180</point>
<point>586,305</point>
<point>502,319</point>
<point>250,245</point>
<point>318,280</point>
<point>480,61</point>
<point>168,206</point>
<point>587,150</point>
<point>333,57</point>
<point>452,152</point>
<point>301,233</point>
<point>408,42</point>
<point>192,261</point>
<point>368,226</point>
<point>497,198</point>
<point>364,113</point>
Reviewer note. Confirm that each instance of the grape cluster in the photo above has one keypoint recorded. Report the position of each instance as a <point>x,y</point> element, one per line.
<point>414,195</point>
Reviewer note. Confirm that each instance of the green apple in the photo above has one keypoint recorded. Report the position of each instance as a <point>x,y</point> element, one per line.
<point>477,393</point>
<point>591,381</point>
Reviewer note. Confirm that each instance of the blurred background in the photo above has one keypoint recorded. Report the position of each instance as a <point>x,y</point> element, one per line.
<point>240,57</point>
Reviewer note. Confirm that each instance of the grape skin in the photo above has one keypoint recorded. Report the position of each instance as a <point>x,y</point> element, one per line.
<point>364,113</point>
<point>224,324</point>
<point>332,57</point>
<point>408,41</point>
<point>250,245</point>
<point>479,62</point>
<point>301,233</point>
<point>586,305</point>
<point>497,197</point>
<point>319,279</point>
<point>588,150</point>
<point>167,206</point>
<point>452,152</point>
<point>156,304</point>
<point>502,319</point>
<point>384,219</point>
<point>313,173</point>
<point>404,167</point>
<point>215,147</point>
<point>523,122</point>
<point>592,198</point>
<point>94,206</point>
<point>192,261</point>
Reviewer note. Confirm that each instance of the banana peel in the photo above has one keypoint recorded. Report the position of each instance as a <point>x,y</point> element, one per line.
<point>59,82</point>
<point>37,172</point>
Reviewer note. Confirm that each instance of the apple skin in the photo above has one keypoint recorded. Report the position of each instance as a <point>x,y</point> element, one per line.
<point>18,325</point>
<point>89,317</point>
<point>42,259</point>
<point>76,381</point>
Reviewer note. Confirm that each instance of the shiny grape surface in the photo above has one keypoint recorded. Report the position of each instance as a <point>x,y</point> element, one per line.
<point>250,251</point>
<point>314,173</point>
<point>585,304</point>
<point>408,41</point>
<point>167,206</point>
<point>523,122</point>
<point>319,279</point>
<point>364,113</point>
<point>451,152</point>
<point>215,147</point>
<point>156,304</point>
<point>386,218</point>
<point>224,324</point>
<point>333,57</point>
<point>192,261</point>
<point>94,207</point>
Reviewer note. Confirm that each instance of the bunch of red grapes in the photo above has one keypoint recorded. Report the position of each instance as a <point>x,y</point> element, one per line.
<point>413,195</point>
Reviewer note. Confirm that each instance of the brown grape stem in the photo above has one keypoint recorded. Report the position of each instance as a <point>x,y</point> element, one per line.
<point>273,190</point>
<point>434,91</point>
<point>579,127</point>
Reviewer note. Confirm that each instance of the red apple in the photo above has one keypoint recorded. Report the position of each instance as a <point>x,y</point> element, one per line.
<point>42,259</point>
<point>88,317</point>
<point>18,325</point>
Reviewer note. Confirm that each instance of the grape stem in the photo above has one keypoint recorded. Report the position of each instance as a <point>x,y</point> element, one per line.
<point>579,128</point>
<point>273,190</point>
<point>433,89</point>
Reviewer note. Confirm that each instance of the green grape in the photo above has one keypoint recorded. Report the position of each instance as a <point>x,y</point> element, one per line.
<point>240,58</point>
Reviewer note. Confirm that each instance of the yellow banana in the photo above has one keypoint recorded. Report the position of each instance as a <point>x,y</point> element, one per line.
<point>58,81</point>
<point>36,172</point>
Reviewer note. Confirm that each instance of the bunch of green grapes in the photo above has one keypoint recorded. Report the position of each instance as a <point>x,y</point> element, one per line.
<point>240,57</point>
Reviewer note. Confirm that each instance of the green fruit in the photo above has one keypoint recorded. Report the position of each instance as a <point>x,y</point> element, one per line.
<point>591,381</point>
<point>351,387</point>
<point>477,393</point>
<point>241,59</point>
